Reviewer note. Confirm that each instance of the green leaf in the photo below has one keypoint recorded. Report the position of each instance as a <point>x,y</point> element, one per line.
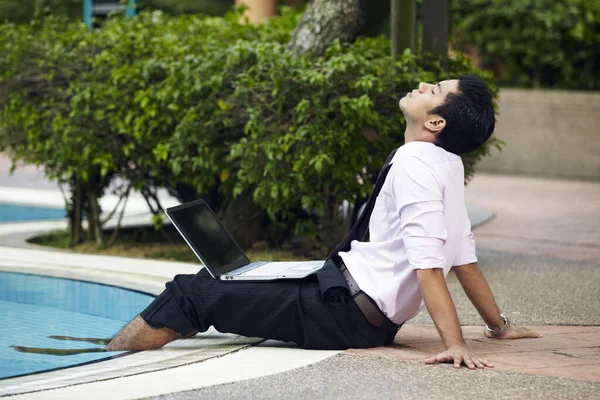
<point>222,105</point>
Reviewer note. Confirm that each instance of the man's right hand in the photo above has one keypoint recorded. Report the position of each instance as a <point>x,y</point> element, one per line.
<point>459,354</point>
<point>514,332</point>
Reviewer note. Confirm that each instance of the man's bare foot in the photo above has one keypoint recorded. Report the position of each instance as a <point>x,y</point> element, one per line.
<point>138,335</point>
<point>57,352</point>
<point>78,339</point>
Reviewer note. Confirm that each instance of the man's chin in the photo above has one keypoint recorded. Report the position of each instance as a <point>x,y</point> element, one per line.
<point>400,104</point>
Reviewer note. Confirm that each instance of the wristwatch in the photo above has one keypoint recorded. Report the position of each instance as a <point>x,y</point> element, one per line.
<point>501,331</point>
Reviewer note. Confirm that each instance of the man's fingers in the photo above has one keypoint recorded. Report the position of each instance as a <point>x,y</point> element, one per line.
<point>430,360</point>
<point>469,363</point>
<point>457,362</point>
<point>478,363</point>
<point>472,362</point>
<point>439,358</point>
<point>533,334</point>
<point>487,363</point>
<point>528,333</point>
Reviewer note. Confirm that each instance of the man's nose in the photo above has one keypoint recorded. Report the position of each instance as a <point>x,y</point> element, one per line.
<point>423,86</point>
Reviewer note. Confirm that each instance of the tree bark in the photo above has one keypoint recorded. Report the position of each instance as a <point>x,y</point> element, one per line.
<point>325,21</point>
<point>246,222</point>
<point>404,26</point>
<point>76,214</point>
<point>378,18</point>
<point>435,29</point>
<point>95,225</point>
<point>115,234</point>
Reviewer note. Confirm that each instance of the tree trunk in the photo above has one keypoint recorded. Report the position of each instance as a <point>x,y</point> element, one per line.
<point>76,213</point>
<point>404,26</point>
<point>95,224</point>
<point>246,222</point>
<point>435,29</point>
<point>325,21</point>
<point>378,18</point>
<point>115,234</point>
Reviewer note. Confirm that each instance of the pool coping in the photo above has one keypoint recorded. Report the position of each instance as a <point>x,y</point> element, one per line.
<point>149,276</point>
<point>136,274</point>
<point>188,357</point>
<point>215,357</point>
<point>185,355</point>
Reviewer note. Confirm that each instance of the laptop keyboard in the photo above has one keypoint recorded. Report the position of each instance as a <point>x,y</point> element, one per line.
<point>270,269</point>
<point>275,268</point>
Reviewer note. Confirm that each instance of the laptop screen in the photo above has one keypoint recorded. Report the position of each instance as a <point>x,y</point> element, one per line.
<point>205,234</point>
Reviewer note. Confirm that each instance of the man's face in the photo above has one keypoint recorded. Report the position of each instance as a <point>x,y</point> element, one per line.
<point>417,104</point>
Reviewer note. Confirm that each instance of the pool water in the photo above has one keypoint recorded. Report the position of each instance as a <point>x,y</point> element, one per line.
<point>34,307</point>
<point>17,212</point>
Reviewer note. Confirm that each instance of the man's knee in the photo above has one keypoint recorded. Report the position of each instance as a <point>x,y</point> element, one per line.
<point>138,335</point>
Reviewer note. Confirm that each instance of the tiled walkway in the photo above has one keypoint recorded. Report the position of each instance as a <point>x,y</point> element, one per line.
<point>540,217</point>
<point>565,351</point>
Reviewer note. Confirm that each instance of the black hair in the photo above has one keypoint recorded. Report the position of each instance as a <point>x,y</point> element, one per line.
<point>469,116</point>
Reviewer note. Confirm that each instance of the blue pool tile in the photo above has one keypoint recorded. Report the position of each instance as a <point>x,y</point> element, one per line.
<point>34,307</point>
<point>18,212</point>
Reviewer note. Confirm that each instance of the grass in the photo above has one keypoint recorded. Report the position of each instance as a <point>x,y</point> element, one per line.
<point>146,242</point>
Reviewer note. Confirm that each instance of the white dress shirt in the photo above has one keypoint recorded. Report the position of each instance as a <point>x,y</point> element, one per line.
<point>419,221</point>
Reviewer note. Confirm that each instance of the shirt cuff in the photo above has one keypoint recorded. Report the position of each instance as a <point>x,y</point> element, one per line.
<point>467,252</point>
<point>427,254</point>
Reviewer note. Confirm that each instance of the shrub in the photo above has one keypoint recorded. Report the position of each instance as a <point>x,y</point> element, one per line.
<point>534,43</point>
<point>208,107</point>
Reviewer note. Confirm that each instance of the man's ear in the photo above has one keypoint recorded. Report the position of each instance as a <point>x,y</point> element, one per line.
<point>435,123</point>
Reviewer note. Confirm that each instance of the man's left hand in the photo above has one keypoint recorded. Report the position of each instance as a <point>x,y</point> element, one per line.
<point>514,332</point>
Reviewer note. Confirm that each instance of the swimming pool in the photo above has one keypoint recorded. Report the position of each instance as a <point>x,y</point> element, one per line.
<point>17,212</point>
<point>33,308</point>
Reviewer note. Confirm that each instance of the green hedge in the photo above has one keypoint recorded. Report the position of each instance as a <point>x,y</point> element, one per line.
<point>534,43</point>
<point>23,11</point>
<point>207,107</point>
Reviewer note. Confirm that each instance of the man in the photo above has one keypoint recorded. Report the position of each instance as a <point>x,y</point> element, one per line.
<point>419,230</point>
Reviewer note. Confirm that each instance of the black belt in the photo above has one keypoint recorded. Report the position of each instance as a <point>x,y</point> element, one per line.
<point>366,304</point>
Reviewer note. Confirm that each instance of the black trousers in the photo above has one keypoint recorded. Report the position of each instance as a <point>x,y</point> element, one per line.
<point>316,312</point>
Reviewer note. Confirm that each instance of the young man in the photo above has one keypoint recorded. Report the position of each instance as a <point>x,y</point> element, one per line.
<point>419,230</point>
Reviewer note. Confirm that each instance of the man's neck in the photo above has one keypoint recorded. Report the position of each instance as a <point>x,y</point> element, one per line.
<point>417,135</point>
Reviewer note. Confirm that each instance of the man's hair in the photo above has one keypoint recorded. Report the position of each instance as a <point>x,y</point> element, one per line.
<point>469,116</point>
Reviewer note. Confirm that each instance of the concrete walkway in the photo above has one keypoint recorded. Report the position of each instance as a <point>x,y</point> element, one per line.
<point>540,254</point>
<point>541,217</point>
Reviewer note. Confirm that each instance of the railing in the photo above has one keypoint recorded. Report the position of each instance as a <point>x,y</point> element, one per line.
<point>102,9</point>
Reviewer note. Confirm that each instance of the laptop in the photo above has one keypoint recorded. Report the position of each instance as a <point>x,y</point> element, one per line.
<point>220,254</point>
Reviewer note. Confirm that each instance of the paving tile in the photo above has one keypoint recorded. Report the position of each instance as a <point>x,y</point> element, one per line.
<point>545,226</point>
<point>564,351</point>
<point>589,372</point>
<point>491,346</point>
<point>550,343</point>
<point>421,333</point>
<point>565,330</point>
<point>590,338</point>
<point>592,353</point>
<point>545,359</point>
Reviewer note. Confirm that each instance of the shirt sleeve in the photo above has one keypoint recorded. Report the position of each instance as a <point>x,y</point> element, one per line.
<point>466,254</point>
<point>419,198</point>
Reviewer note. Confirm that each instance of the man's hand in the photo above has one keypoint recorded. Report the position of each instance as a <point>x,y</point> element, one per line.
<point>514,332</point>
<point>459,354</point>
